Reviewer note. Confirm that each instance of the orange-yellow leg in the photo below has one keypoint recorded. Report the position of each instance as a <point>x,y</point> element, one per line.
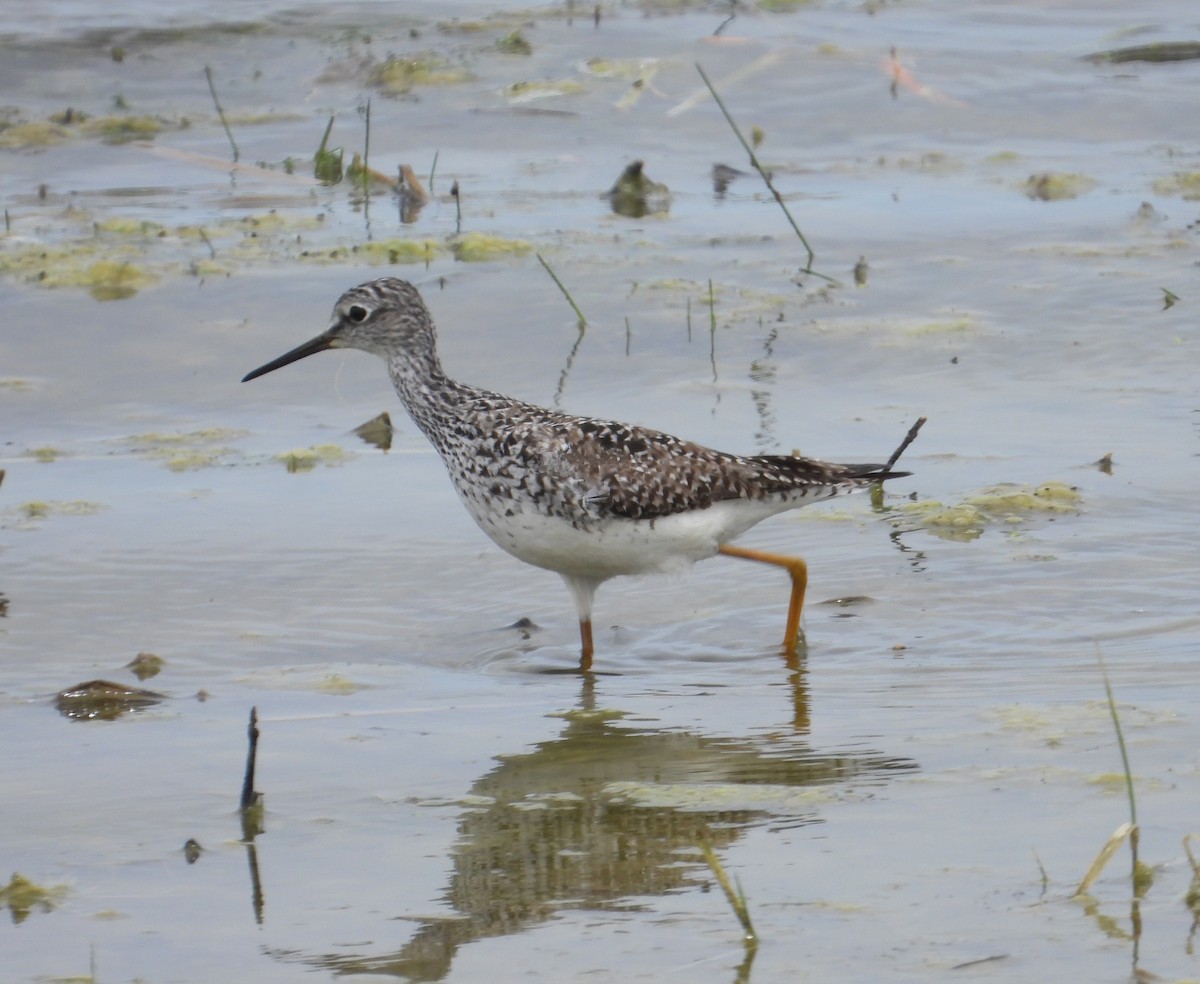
<point>585,654</point>
<point>796,567</point>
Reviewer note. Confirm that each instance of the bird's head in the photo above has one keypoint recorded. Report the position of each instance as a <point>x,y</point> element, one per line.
<point>384,317</point>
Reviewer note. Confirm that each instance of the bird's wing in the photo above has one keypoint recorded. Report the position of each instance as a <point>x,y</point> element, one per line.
<point>589,469</point>
<point>637,473</point>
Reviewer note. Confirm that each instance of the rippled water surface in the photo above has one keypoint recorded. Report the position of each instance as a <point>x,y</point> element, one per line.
<point>916,798</point>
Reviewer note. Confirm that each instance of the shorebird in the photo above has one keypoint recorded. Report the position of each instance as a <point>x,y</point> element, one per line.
<point>587,498</point>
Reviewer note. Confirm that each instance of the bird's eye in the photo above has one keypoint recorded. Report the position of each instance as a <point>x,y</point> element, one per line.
<point>357,313</point>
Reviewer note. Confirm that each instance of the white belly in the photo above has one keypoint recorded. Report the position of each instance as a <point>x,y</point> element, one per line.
<point>611,547</point>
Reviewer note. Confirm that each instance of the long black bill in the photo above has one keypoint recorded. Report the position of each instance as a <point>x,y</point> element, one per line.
<point>318,344</point>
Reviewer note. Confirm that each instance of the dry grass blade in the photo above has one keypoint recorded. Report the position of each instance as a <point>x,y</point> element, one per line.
<point>737,899</point>
<point>1187,846</point>
<point>734,78</point>
<point>1118,838</point>
<point>220,164</point>
<point>1141,874</point>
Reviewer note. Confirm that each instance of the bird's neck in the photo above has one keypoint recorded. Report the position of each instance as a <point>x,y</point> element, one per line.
<point>428,394</point>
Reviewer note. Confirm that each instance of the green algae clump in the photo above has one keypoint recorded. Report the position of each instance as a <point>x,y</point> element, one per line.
<point>306,459</point>
<point>123,129</point>
<point>397,76</point>
<point>22,896</point>
<point>41,133</point>
<point>476,247</point>
<point>1185,184</point>
<point>398,250</point>
<point>1007,504</point>
<point>1057,186</point>
<point>113,280</point>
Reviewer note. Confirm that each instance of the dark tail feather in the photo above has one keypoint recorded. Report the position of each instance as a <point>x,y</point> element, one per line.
<point>800,470</point>
<point>872,473</point>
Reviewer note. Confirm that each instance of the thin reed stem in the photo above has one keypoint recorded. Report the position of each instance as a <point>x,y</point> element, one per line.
<point>1116,719</point>
<point>765,175</point>
<point>220,112</point>
<point>566,293</point>
<point>366,168</point>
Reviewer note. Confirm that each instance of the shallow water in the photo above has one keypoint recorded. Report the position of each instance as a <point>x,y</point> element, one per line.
<point>444,802</point>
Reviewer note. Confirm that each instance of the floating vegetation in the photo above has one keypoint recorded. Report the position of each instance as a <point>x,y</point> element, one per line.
<point>146,665</point>
<point>112,258</point>
<point>123,129</point>
<point>22,896</point>
<point>1057,186</point>
<point>782,6</point>
<point>635,196</point>
<point>187,451</point>
<point>45,455</point>
<point>589,714</point>
<point>1157,52</point>
<point>397,76</point>
<point>412,194</point>
<point>69,123</point>
<point>103,700</point>
<point>361,175</point>
<point>68,117</point>
<point>377,432</point>
<point>931,162</point>
<point>327,163</point>
<point>115,277</point>
<point>1002,504</point>
<point>860,272</point>
<point>21,136</point>
<point>378,251</point>
<point>1053,725</point>
<point>115,280</point>
<point>948,326</point>
<point>337,685</point>
<point>522,92</point>
<point>127,227</point>
<point>515,44</point>
<point>264,118</point>
<point>27,515</point>
<point>457,26</point>
<point>620,68</point>
<point>1185,184</point>
<point>306,459</point>
<point>119,255</point>
<point>206,435</point>
<point>477,247</point>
